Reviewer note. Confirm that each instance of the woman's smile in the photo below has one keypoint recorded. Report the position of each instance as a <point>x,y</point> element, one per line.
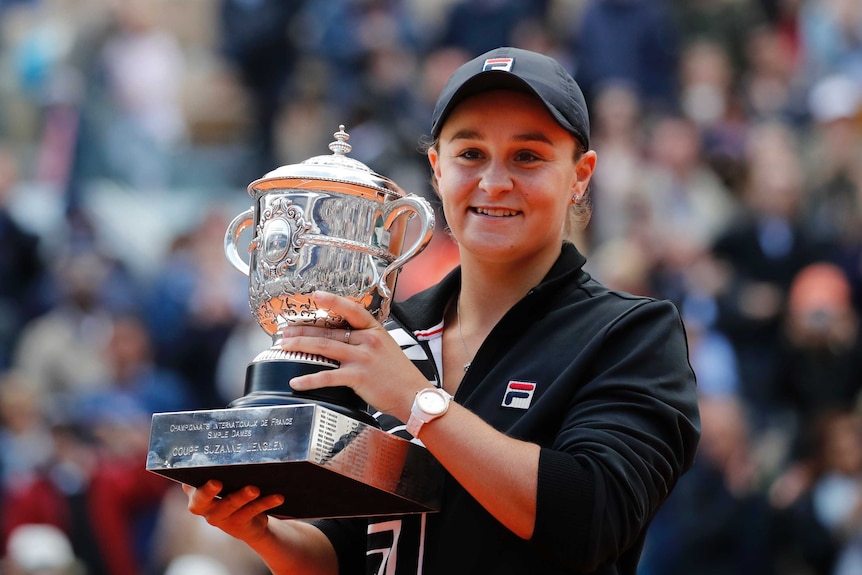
<point>496,212</point>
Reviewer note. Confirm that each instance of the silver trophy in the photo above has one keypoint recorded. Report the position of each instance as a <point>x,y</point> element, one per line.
<point>329,223</point>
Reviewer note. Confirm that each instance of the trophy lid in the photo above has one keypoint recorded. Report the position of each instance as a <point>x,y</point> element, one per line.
<point>334,168</point>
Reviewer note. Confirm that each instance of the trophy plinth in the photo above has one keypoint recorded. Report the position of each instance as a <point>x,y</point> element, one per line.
<point>325,463</point>
<point>266,384</point>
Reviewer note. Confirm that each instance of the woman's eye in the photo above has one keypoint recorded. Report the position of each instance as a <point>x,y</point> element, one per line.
<point>469,154</point>
<point>526,157</point>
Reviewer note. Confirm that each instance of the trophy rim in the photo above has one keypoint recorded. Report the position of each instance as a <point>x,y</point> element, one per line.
<point>287,180</point>
<point>336,168</point>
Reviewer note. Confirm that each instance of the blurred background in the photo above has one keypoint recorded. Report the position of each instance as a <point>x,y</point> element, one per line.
<point>729,135</point>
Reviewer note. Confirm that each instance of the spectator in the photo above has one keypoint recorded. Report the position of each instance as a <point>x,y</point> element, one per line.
<point>476,26</point>
<point>770,85</point>
<point>144,67</point>
<point>687,204</point>
<point>194,302</point>
<point>257,39</point>
<point>717,522</point>
<point>135,380</point>
<point>619,194</point>
<point>61,351</point>
<point>763,251</point>
<point>830,31</point>
<point>633,41</point>
<point>708,96</point>
<point>21,264</point>
<point>729,24</point>
<point>25,438</point>
<point>831,157</point>
<point>820,346</point>
<point>819,500</point>
<point>99,495</point>
<point>713,357</point>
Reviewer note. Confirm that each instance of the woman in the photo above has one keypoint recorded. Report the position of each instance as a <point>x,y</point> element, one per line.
<point>573,409</point>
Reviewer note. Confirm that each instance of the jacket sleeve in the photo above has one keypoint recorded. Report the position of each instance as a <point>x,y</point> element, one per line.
<point>629,433</point>
<point>348,538</point>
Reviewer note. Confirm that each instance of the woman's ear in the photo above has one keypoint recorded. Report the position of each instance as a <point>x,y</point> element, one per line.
<point>434,160</point>
<point>433,157</point>
<point>584,169</point>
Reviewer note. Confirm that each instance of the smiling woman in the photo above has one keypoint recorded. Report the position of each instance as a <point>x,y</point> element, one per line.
<point>563,413</point>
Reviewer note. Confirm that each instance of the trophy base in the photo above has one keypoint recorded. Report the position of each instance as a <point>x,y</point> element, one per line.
<point>325,463</point>
<point>267,383</point>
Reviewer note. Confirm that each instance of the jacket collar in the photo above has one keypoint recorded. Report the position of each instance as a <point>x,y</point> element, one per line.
<point>426,308</point>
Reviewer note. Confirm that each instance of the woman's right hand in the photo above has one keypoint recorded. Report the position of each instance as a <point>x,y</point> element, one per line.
<point>241,514</point>
<point>285,546</point>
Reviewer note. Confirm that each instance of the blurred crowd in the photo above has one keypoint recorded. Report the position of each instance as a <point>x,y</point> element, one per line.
<point>729,136</point>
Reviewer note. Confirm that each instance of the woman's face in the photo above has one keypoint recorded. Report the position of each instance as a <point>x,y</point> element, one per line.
<point>506,175</point>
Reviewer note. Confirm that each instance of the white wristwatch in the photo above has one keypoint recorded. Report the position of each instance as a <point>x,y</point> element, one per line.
<point>428,405</point>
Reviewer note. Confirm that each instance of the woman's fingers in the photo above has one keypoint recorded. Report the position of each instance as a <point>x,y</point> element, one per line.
<point>241,513</point>
<point>353,313</point>
<point>204,500</point>
<point>332,342</point>
<point>231,503</point>
<point>365,353</point>
<point>201,498</point>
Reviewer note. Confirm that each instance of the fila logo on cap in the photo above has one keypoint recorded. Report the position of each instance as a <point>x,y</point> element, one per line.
<point>519,394</point>
<point>504,64</point>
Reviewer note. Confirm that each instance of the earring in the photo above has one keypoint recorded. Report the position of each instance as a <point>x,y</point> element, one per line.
<point>575,198</point>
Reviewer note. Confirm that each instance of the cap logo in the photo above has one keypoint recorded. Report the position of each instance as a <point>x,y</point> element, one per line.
<point>504,64</point>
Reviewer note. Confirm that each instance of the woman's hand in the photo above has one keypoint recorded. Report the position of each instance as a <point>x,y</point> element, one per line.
<point>372,363</point>
<point>241,514</point>
<point>285,546</point>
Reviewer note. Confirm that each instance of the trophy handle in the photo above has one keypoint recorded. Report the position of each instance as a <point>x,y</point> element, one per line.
<point>419,207</point>
<point>231,237</point>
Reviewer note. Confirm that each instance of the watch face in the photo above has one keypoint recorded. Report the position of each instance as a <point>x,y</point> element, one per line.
<point>431,402</point>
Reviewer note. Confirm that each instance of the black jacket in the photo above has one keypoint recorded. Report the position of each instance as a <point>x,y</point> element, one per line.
<point>601,381</point>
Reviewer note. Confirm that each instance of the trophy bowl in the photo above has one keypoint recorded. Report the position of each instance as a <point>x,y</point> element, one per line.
<point>329,223</point>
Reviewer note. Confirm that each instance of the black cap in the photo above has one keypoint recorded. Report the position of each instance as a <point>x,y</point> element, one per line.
<point>518,69</point>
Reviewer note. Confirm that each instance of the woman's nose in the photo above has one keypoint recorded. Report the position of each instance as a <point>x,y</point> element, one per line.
<point>495,178</point>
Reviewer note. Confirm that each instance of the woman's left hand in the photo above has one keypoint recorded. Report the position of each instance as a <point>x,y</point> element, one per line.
<point>372,363</point>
